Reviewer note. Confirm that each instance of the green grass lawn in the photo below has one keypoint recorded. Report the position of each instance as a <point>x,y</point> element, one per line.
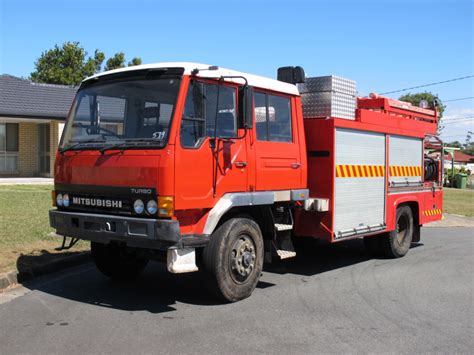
<point>458,201</point>
<point>24,231</point>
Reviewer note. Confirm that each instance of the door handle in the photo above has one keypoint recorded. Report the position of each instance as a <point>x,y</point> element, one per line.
<point>240,164</point>
<point>296,165</point>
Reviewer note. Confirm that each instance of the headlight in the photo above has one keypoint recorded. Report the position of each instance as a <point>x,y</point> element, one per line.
<point>138,206</point>
<point>59,199</point>
<point>152,207</point>
<point>66,200</point>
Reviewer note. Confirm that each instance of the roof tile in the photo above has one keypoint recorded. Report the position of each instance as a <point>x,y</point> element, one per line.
<point>21,97</point>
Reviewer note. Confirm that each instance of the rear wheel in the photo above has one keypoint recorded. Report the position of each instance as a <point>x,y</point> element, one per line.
<point>397,242</point>
<point>234,259</point>
<point>116,261</point>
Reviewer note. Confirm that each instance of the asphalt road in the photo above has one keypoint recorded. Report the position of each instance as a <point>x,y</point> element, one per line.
<point>331,299</point>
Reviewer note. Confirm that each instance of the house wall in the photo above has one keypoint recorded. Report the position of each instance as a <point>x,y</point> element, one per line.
<point>28,149</point>
<point>55,131</point>
<point>28,146</point>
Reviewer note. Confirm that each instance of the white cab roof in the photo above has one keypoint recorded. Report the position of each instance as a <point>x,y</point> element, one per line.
<point>253,80</point>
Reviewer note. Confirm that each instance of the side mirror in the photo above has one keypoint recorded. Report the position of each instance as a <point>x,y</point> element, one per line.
<point>292,75</point>
<point>246,107</point>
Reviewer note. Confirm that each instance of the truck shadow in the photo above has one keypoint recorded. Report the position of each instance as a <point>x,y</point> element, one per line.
<point>157,291</point>
<point>316,256</point>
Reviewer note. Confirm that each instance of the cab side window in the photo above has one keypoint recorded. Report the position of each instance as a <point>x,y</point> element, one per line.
<point>272,117</point>
<point>199,116</point>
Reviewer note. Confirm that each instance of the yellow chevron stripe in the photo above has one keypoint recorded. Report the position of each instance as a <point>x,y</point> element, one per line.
<point>360,171</point>
<point>398,170</point>
<point>356,170</point>
<point>344,169</point>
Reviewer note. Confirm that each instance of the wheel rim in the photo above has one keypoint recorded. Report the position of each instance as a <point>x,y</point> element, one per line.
<point>242,258</point>
<point>402,229</point>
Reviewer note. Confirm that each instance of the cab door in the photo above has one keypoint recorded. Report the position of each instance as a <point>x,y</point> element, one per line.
<point>275,143</point>
<point>206,168</point>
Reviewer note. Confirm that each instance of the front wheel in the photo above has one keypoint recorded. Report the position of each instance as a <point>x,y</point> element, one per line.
<point>116,261</point>
<point>234,259</point>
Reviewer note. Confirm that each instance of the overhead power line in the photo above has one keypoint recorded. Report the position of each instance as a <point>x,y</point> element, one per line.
<point>458,118</point>
<point>460,99</point>
<point>431,84</point>
<point>458,121</point>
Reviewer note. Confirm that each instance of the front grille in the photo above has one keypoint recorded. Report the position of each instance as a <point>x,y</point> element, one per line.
<point>116,200</point>
<point>100,204</point>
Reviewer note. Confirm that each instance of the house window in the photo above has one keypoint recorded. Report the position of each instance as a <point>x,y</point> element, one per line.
<point>8,147</point>
<point>272,117</point>
<point>43,148</point>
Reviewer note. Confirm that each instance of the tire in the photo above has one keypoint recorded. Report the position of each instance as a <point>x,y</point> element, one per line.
<point>117,262</point>
<point>396,244</point>
<point>234,259</point>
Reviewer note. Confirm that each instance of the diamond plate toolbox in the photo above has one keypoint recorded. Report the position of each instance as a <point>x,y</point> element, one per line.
<point>328,96</point>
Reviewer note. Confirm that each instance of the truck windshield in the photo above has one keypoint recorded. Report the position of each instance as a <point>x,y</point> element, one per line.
<point>125,113</point>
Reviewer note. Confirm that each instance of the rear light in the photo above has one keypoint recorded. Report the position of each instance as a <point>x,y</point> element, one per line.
<point>165,206</point>
<point>53,198</point>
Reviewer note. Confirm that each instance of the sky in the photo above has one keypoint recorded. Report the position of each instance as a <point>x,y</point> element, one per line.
<point>382,45</point>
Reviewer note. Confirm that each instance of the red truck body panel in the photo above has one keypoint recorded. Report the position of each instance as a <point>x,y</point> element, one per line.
<point>247,164</point>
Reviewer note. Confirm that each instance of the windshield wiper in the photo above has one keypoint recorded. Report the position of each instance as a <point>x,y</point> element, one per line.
<point>72,146</point>
<point>113,146</point>
<point>129,142</point>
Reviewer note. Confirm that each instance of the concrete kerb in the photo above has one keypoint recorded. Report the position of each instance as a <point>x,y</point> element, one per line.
<point>14,277</point>
<point>26,181</point>
<point>452,220</point>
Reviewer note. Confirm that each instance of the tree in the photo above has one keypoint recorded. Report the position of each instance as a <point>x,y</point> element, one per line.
<point>455,144</point>
<point>135,61</point>
<point>432,100</point>
<point>468,147</point>
<point>66,65</point>
<point>118,61</point>
<point>468,139</point>
<point>69,64</point>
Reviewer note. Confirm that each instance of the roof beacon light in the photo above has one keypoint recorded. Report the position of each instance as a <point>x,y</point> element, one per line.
<point>195,71</point>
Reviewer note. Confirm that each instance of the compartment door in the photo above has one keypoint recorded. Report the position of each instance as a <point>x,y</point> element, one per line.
<point>360,183</point>
<point>406,164</point>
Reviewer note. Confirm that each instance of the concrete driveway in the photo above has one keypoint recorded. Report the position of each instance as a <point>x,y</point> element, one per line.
<point>330,299</point>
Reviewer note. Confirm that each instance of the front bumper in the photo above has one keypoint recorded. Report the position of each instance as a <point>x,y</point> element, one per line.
<point>134,232</point>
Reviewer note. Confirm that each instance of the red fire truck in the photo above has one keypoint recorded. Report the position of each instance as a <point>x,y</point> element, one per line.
<point>218,170</point>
